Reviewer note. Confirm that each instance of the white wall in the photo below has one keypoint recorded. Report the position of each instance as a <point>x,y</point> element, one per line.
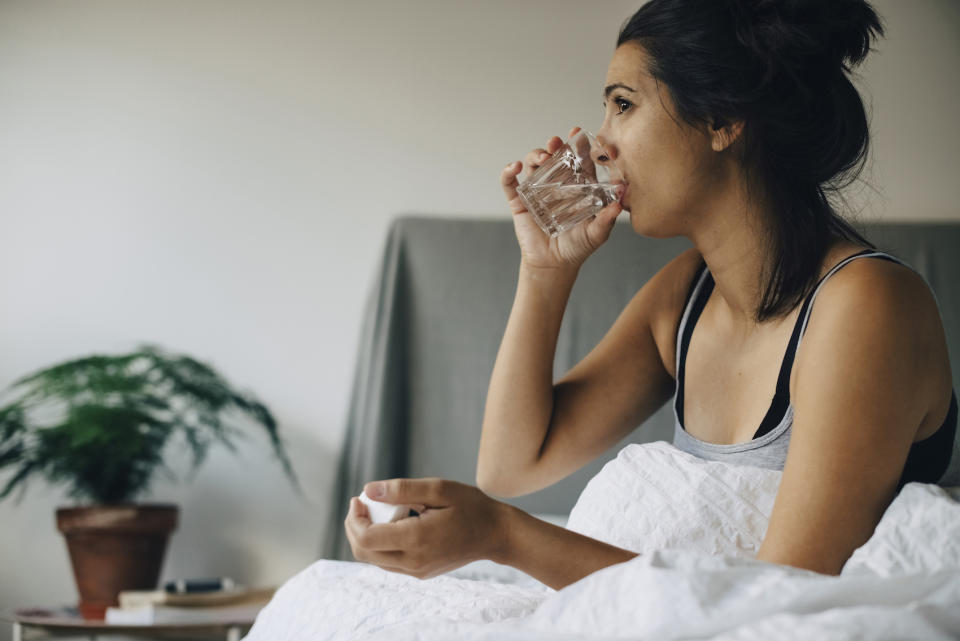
<point>218,176</point>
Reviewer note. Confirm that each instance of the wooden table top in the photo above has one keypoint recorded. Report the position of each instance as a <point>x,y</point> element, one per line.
<point>69,617</point>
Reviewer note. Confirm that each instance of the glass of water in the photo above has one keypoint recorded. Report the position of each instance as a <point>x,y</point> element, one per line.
<point>570,186</point>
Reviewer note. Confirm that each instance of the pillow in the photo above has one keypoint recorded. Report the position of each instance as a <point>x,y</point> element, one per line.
<point>654,496</point>
<point>919,533</point>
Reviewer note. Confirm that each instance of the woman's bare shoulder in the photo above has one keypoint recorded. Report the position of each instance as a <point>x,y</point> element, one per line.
<point>881,285</point>
<point>892,302</point>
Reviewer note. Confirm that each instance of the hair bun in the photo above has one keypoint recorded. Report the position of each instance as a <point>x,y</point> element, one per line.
<point>820,34</point>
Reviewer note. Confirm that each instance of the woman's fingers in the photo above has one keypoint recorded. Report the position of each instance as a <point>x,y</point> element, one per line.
<point>508,179</point>
<point>598,230</point>
<point>535,156</point>
<point>609,213</point>
<point>534,159</point>
<point>554,143</point>
<point>365,539</point>
<point>363,533</point>
<point>393,560</point>
<point>358,511</point>
<point>355,522</point>
<point>399,535</point>
<point>390,559</point>
<point>385,564</point>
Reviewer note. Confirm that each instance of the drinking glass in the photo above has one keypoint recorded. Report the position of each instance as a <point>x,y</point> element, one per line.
<point>570,186</point>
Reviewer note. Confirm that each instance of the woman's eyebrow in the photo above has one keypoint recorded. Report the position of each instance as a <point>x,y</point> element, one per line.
<point>617,85</point>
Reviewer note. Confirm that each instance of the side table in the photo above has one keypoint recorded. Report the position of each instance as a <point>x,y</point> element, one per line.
<point>36,623</point>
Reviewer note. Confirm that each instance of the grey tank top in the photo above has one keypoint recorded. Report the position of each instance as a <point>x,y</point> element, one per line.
<point>933,459</point>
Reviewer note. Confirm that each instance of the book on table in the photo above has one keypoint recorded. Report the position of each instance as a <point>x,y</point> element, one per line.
<point>145,607</point>
<point>157,613</point>
<point>234,596</point>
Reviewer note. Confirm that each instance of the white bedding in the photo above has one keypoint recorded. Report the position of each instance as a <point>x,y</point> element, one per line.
<point>696,526</point>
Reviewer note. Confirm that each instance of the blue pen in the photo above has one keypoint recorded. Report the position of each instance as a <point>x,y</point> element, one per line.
<point>185,586</point>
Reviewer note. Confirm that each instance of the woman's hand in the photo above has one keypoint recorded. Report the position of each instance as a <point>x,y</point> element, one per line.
<point>459,524</point>
<point>570,248</point>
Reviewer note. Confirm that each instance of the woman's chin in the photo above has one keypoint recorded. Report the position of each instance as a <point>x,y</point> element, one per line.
<point>646,226</point>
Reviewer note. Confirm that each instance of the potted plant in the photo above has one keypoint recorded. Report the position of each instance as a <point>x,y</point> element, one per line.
<point>100,424</point>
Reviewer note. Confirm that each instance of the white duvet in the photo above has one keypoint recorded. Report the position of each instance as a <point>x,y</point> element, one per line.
<point>696,526</point>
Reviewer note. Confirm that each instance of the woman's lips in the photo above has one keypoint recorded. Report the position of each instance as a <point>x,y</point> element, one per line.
<point>621,191</point>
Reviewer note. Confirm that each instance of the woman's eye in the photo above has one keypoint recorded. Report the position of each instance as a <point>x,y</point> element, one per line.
<point>622,105</point>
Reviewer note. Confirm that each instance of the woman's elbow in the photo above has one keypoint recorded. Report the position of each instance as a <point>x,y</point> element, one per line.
<point>487,483</point>
<point>496,485</point>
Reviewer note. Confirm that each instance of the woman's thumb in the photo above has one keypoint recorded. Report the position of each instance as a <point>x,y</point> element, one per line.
<point>603,222</point>
<point>611,211</point>
<point>430,492</point>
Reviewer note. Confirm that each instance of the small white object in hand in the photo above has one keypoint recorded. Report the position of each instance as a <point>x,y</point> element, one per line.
<point>381,512</point>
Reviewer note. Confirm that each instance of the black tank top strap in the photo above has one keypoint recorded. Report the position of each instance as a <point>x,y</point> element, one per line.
<point>781,397</point>
<point>684,331</point>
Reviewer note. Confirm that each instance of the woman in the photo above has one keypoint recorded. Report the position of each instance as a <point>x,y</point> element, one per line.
<point>731,122</point>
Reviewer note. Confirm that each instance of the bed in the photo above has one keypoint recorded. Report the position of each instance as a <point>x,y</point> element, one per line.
<point>430,334</point>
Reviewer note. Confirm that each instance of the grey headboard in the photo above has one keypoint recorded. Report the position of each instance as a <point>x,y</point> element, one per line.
<point>435,318</point>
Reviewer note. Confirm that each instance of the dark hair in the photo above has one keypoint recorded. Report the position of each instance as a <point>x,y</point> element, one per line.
<point>781,67</point>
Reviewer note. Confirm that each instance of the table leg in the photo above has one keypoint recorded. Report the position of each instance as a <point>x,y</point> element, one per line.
<point>233,633</point>
<point>17,631</point>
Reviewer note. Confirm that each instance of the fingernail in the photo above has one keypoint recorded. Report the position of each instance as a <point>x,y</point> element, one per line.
<point>375,490</point>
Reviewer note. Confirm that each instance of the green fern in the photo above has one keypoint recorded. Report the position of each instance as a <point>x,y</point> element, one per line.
<point>100,424</point>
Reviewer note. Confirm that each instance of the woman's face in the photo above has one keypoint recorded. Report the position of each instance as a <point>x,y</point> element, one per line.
<point>670,168</point>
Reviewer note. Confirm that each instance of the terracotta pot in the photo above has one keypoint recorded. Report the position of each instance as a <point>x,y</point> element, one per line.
<point>114,548</point>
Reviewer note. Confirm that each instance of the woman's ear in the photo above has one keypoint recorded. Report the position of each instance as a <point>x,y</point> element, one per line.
<point>723,134</point>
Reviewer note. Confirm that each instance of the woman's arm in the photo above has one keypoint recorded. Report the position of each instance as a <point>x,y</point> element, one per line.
<point>520,396</point>
<point>870,370</point>
<point>462,524</point>
<point>553,555</point>
<point>536,432</point>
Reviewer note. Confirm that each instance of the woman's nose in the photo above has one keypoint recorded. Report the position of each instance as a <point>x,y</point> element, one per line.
<point>603,152</point>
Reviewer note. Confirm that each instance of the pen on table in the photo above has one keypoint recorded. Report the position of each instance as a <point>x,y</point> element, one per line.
<point>184,586</point>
